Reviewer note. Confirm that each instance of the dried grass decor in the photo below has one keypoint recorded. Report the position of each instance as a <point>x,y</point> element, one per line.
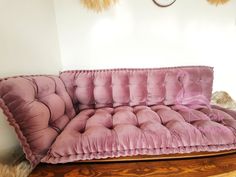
<point>98,5</point>
<point>217,2</point>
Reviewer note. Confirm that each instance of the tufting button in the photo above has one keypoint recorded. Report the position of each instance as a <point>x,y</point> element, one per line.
<point>179,79</point>
<point>82,131</point>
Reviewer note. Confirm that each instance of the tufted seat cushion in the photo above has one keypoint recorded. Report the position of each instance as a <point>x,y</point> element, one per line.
<point>121,131</point>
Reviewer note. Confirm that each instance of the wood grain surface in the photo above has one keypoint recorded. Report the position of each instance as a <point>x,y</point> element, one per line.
<point>188,167</point>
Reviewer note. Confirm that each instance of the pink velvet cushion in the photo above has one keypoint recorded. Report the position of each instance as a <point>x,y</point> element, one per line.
<point>120,112</point>
<point>124,131</point>
<point>39,108</point>
<point>119,87</point>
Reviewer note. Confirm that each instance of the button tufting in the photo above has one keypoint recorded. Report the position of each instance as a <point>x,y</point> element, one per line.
<point>136,129</point>
<point>111,128</point>
<point>138,126</point>
<point>82,131</point>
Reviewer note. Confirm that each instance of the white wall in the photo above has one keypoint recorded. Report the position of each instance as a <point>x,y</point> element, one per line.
<point>139,34</point>
<point>28,38</point>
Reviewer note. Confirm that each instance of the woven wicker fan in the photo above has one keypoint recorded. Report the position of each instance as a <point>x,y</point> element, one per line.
<point>217,2</point>
<point>98,5</point>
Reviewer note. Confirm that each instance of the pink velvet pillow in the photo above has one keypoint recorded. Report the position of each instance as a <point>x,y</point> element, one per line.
<point>39,108</point>
<point>120,87</point>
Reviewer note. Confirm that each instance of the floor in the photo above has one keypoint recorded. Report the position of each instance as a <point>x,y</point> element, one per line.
<point>198,167</point>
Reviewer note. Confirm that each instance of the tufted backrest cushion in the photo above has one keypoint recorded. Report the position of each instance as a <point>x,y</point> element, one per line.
<point>169,86</point>
<point>39,108</point>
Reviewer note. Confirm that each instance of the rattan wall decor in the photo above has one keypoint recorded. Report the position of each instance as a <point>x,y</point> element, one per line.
<point>98,5</point>
<point>217,2</point>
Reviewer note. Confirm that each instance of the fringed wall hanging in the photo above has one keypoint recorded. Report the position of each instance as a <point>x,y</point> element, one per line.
<point>98,5</point>
<point>217,2</point>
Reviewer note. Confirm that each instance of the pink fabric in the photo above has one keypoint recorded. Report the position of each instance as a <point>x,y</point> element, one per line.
<point>39,108</point>
<point>100,88</point>
<point>121,112</point>
<point>125,131</point>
